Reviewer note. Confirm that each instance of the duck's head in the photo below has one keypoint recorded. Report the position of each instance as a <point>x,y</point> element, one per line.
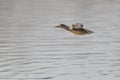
<point>62,26</point>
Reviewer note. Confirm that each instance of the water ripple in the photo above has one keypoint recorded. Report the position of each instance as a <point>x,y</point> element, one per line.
<point>32,49</point>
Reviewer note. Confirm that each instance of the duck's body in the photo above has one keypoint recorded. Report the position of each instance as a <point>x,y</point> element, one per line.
<point>76,29</point>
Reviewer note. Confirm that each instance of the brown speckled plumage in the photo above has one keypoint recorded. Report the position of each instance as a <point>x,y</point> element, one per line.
<point>75,28</point>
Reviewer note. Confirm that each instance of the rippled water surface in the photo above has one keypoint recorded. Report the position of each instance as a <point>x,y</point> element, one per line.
<point>32,49</point>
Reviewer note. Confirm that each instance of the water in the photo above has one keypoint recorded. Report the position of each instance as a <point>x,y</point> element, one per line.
<point>32,49</point>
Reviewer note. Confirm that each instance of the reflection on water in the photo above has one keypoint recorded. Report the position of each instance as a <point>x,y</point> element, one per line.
<point>32,49</point>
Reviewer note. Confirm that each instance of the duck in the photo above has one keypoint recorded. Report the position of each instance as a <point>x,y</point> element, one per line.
<point>76,28</point>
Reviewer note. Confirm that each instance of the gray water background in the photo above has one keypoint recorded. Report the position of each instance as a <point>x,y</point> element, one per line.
<point>32,49</point>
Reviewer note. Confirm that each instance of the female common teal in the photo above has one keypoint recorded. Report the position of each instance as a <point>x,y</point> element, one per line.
<point>75,28</point>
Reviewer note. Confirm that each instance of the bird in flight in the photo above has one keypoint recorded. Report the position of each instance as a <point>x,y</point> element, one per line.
<point>76,28</point>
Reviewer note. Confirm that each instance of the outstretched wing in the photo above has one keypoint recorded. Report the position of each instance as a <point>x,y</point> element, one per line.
<point>77,26</point>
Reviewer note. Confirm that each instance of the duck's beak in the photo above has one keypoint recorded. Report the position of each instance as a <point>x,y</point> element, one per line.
<point>57,26</point>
